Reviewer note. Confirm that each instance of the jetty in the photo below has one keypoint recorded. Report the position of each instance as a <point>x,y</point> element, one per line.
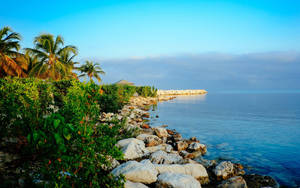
<point>182,92</point>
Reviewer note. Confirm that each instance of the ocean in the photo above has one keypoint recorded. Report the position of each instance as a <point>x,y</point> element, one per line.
<point>259,129</point>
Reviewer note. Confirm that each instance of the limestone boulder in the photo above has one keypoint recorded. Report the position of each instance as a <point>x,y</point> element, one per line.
<point>192,155</point>
<point>132,148</point>
<point>169,148</point>
<point>130,184</point>
<point>164,147</point>
<point>160,132</point>
<point>141,172</point>
<point>234,182</point>
<point>181,145</point>
<point>195,146</point>
<point>161,157</point>
<point>186,161</point>
<point>150,140</point>
<point>206,163</point>
<point>224,170</point>
<point>149,131</point>
<point>177,137</point>
<point>195,170</point>
<point>176,180</point>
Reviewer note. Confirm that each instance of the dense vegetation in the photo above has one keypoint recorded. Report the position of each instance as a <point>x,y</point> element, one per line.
<point>51,119</point>
<point>60,138</point>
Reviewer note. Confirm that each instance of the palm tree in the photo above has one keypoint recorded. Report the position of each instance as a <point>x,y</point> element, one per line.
<point>49,54</point>
<point>31,62</point>
<point>91,69</point>
<point>67,57</point>
<point>11,61</point>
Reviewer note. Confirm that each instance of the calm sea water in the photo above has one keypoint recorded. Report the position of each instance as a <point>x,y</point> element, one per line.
<point>258,129</point>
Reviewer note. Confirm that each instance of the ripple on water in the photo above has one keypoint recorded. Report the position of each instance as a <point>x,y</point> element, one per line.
<point>261,131</point>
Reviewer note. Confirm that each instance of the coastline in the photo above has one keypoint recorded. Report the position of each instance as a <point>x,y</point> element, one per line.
<point>167,159</point>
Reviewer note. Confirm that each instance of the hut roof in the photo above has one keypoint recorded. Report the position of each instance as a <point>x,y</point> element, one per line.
<point>124,82</point>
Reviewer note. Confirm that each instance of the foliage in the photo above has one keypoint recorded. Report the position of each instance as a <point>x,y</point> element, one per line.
<point>22,101</point>
<point>91,70</point>
<point>115,96</point>
<point>55,121</point>
<point>53,59</point>
<point>10,64</point>
<point>146,91</point>
<point>70,146</point>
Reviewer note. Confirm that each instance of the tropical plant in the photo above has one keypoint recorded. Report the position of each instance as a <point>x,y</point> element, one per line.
<point>68,58</point>
<point>58,147</point>
<point>91,70</point>
<point>30,62</point>
<point>51,57</point>
<point>11,61</point>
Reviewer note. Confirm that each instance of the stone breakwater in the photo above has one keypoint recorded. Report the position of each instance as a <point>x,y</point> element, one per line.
<point>161,157</point>
<point>181,92</point>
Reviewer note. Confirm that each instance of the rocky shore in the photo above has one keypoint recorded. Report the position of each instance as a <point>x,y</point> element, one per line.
<point>161,157</point>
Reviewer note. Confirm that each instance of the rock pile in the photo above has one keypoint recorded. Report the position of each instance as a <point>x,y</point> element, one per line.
<point>160,157</point>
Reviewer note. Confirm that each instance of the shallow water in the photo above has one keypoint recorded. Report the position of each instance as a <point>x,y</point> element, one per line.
<point>256,128</point>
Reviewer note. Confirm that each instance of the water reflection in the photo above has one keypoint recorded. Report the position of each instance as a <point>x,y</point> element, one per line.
<point>189,98</point>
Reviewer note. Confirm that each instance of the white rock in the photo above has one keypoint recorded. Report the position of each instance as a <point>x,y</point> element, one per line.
<point>161,157</point>
<point>177,180</point>
<point>224,170</point>
<point>234,182</point>
<point>163,147</point>
<point>143,172</point>
<point>169,148</point>
<point>161,132</point>
<point>142,136</point>
<point>206,163</point>
<point>149,140</point>
<point>132,148</point>
<point>130,184</point>
<point>195,146</point>
<point>195,170</point>
<point>186,161</point>
<point>132,116</point>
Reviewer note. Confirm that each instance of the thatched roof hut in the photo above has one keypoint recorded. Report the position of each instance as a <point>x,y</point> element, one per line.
<point>124,82</point>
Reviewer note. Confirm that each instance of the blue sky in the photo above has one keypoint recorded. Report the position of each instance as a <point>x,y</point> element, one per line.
<point>165,31</point>
<point>121,29</point>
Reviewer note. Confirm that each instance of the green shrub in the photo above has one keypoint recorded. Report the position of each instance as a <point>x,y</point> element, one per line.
<point>63,149</point>
<point>61,87</point>
<point>23,101</point>
<point>61,141</point>
<point>115,97</point>
<point>146,91</point>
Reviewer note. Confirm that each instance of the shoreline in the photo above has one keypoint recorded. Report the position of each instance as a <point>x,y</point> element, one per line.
<point>163,154</point>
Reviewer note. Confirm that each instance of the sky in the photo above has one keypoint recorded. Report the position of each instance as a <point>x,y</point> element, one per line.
<point>165,35</point>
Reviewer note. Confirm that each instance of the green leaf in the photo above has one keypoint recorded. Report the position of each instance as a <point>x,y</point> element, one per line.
<point>56,123</point>
<point>29,137</point>
<point>62,148</point>
<point>70,126</point>
<point>35,136</point>
<point>58,139</point>
<point>67,135</point>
